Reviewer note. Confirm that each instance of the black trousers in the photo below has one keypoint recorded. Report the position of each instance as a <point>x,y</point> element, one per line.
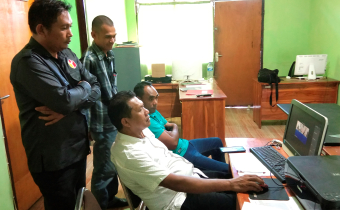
<point>213,200</point>
<point>60,188</point>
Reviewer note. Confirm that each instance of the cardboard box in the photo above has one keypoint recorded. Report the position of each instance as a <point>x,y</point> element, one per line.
<point>158,70</point>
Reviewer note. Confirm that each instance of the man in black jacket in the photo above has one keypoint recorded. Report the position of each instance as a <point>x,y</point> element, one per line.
<point>52,90</point>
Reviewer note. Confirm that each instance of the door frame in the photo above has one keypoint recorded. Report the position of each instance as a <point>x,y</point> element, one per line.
<point>80,6</point>
<point>262,32</point>
<point>8,155</point>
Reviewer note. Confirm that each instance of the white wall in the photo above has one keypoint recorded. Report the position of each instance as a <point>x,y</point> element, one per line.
<point>6,195</point>
<point>114,9</point>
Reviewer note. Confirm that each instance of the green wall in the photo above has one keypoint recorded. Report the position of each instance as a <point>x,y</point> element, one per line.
<point>6,194</point>
<point>286,33</point>
<point>325,34</point>
<point>131,20</point>
<point>75,40</point>
<point>298,28</point>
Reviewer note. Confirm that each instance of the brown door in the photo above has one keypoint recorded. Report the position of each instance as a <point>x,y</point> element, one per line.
<point>14,35</point>
<point>237,36</point>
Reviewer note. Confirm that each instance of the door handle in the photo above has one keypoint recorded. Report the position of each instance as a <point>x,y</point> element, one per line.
<point>216,56</point>
<point>4,97</point>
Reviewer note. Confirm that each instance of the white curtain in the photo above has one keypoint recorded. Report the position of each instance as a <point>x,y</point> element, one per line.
<point>181,36</point>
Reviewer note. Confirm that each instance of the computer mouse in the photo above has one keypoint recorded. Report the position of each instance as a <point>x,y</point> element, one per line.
<point>264,187</point>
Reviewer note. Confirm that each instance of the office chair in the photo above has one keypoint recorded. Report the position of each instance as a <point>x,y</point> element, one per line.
<point>86,200</point>
<point>133,200</point>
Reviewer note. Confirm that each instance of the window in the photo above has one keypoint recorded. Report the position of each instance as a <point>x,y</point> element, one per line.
<point>179,35</point>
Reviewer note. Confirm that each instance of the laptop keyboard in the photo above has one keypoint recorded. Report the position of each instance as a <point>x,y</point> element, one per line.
<point>272,159</point>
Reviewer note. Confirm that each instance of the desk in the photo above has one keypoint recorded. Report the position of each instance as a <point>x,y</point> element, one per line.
<point>316,91</point>
<point>168,100</point>
<point>203,117</point>
<point>331,111</point>
<point>254,142</point>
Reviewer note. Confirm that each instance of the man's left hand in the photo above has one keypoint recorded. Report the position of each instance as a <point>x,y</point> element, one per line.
<point>51,116</point>
<point>169,126</point>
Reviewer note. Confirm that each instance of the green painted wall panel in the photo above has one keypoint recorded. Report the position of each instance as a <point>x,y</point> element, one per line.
<point>286,33</point>
<point>325,34</point>
<point>6,194</point>
<point>75,40</point>
<point>131,20</point>
<point>301,27</point>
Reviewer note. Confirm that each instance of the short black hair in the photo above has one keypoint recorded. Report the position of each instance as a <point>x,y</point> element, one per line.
<point>139,88</point>
<point>119,108</point>
<point>98,21</point>
<point>45,12</point>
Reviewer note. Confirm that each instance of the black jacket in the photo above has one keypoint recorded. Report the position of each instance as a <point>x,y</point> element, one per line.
<point>39,79</point>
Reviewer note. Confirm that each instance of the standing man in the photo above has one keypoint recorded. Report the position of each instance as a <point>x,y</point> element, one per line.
<point>53,91</point>
<point>99,60</point>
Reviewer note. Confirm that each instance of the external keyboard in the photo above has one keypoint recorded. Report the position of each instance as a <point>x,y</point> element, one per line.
<point>272,159</point>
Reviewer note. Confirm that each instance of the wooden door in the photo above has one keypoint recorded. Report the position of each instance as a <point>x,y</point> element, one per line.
<point>237,34</point>
<point>14,36</point>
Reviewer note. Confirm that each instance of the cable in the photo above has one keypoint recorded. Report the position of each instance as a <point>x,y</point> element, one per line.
<point>267,144</point>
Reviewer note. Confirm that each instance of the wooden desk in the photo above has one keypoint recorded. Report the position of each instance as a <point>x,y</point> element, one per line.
<point>316,91</point>
<point>248,143</point>
<point>203,117</point>
<point>168,100</point>
<point>254,142</point>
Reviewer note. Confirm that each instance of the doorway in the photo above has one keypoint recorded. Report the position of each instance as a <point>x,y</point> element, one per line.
<point>238,47</point>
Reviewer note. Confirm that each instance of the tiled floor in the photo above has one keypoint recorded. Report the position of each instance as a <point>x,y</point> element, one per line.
<point>238,124</point>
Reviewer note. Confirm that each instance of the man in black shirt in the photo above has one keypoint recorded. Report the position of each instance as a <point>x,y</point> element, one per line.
<point>53,89</point>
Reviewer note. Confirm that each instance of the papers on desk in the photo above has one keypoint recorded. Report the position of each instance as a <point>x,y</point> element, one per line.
<point>247,163</point>
<point>202,87</point>
<point>190,83</point>
<point>195,87</point>
<point>192,88</point>
<point>197,92</point>
<point>291,204</point>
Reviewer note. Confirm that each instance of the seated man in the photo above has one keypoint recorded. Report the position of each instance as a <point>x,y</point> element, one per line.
<point>162,179</point>
<point>196,150</point>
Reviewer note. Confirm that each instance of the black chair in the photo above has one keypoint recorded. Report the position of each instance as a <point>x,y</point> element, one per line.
<point>86,200</point>
<point>133,200</point>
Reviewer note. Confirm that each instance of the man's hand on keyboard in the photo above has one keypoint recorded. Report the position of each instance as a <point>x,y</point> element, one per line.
<point>247,183</point>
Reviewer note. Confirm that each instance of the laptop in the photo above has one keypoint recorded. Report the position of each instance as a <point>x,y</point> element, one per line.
<point>305,131</point>
<point>304,136</point>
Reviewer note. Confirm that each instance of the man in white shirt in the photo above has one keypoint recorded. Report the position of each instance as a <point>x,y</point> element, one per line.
<point>162,179</point>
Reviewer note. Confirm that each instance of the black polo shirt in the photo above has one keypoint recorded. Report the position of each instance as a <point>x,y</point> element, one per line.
<point>39,79</point>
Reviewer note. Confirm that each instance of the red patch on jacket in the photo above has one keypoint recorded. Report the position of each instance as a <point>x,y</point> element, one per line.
<point>72,64</point>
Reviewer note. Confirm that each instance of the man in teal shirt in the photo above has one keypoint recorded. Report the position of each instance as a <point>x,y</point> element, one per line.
<point>196,150</point>
<point>159,124</point>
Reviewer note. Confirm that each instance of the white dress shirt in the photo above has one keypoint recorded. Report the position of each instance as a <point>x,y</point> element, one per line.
<point>142,164</point>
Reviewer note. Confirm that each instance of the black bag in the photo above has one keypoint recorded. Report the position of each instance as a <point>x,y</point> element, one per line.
<point>270,76</point>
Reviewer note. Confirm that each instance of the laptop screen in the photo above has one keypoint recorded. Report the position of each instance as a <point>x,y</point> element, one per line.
<point>305,131</point>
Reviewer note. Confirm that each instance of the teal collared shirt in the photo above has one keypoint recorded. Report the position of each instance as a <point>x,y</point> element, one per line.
<point>157,128</point>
